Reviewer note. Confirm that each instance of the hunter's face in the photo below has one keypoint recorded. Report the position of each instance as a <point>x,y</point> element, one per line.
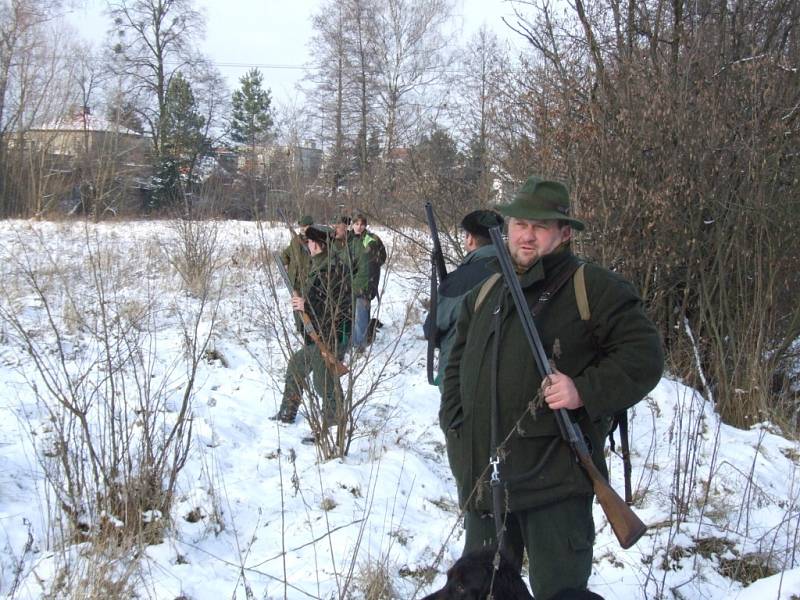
<point>314,247</point>
<point>530,239</point>
<point>341,231</point>
<point>359,227</point>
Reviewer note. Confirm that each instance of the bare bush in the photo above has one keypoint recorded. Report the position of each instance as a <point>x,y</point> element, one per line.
<point>194,253</point>
<point>117,424</point>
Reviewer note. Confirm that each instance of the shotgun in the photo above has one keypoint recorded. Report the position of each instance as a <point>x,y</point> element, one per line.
<point>437,258</point>
<point>626,525</point>
<point>335,366</point>
<point>438,271</point>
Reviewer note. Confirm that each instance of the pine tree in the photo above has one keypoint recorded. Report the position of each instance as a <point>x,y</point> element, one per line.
<point>183,129</point>
<point>183,142</point>
<point>252,115</point>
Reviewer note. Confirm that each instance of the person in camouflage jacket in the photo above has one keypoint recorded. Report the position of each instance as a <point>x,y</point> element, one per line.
<point>368,255</point>
<point>601,367</point>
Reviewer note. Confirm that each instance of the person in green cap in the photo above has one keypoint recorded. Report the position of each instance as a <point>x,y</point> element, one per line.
<point>325,298</point>
<point>601,366</point>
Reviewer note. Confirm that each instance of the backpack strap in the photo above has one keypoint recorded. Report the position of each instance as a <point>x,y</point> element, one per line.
<point>486,288</point>
<point>580,294</point>
<point>551,291</point>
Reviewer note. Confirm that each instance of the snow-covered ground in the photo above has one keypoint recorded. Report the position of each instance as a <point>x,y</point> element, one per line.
<point>258,515</point>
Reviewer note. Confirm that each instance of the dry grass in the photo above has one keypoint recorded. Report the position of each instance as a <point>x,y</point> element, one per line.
<point>375,582</point>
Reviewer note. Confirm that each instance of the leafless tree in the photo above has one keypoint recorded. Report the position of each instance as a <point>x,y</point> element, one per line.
<point>677,127</point>
<point>411,48</point>
<point>155,40</point>
<point>37,82</point>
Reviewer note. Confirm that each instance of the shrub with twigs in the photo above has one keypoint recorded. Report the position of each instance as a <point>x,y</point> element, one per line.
<point>115,424</point>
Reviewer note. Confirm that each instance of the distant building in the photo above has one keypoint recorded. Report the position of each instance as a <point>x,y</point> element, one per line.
<point>305,160</point>
<point>83,134</point>
<point>88,164</point>
<point>398,155</point>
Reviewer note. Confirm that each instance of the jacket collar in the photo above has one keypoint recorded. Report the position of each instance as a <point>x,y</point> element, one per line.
<point>480,253</point>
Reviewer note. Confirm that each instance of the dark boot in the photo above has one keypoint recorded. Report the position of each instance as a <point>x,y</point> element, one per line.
<point>288,410</point>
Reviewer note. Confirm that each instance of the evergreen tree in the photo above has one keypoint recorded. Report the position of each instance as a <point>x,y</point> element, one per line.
<point>252,115</point>
<point>183,128</point>
<point>183,142</point>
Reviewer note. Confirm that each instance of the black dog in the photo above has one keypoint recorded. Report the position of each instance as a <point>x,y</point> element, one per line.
<point>470,578</point>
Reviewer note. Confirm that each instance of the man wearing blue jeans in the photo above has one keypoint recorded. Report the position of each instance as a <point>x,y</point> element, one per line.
<point>369,255</point>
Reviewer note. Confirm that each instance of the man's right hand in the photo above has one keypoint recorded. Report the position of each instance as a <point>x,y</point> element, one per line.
<point>298,303</point>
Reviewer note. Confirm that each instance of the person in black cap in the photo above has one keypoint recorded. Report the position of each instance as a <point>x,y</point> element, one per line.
<point>325,298</point>
<point>472,271</point>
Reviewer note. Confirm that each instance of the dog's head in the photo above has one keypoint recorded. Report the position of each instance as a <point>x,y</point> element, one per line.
<point>473,577</point>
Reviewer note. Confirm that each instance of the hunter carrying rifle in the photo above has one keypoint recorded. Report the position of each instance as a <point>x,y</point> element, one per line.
<point>323,305</point>
<point>500,411</point>
<point>448,296</point>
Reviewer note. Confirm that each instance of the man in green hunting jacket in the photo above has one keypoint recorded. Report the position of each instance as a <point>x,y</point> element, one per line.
<point>325,298</point>
<point>369,255</point>
<point>601,366</point>
<point>295,256</point>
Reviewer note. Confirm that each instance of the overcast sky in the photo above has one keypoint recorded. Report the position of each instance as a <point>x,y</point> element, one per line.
<point>273,34</point>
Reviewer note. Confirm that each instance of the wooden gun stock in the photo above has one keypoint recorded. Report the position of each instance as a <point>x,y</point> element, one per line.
<point>334,364</point>
<point>624,523</point>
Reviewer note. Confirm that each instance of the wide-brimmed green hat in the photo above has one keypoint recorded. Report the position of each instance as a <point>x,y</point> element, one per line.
<point>305,220</point>
<point>541,200</point>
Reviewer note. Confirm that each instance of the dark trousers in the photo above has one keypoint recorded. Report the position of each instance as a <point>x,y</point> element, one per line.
<point>558,538</point>
<point>308,361</point>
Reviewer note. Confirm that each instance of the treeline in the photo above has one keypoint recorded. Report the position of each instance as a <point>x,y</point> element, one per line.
<point>675,125</point>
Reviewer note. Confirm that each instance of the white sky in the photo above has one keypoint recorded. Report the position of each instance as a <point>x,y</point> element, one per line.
<point>273,34</point>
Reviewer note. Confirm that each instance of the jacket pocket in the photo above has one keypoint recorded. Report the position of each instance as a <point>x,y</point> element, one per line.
<point>540,459</point>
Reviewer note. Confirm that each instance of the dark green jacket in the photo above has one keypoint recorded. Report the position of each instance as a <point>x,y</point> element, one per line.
<point>368,255</point>
<point>297,261</point>
<point>615,359</point>
<point>471,272</point>
<point>345,252</point>
<point>327,295</point>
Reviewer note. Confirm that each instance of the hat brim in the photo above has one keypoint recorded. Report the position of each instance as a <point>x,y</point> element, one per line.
<point>518,212</point>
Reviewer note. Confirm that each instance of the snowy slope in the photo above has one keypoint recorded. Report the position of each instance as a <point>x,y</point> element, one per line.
<point>258,515</point>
